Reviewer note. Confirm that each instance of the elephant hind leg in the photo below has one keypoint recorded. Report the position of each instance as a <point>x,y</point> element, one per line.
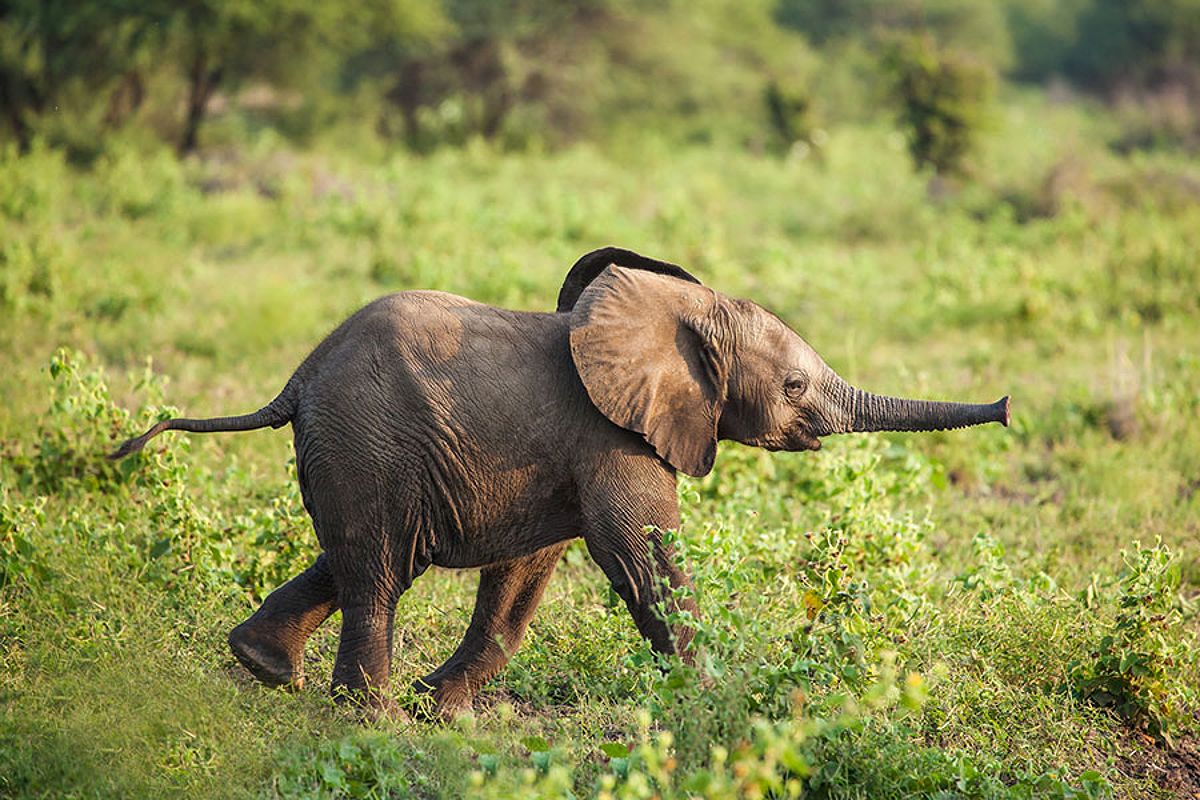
<point>508,596</point>
<point>369,586</point>
<point>364,657</point>
<point>270,644</point>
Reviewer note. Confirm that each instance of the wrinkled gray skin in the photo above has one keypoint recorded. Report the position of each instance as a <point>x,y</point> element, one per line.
<point>430,429</point>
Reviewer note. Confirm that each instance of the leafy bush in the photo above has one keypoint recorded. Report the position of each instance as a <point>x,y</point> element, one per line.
<point>31,185</point>
<point>276,537</point>
<point>799,755</point>
<point>29,270</point>
<point>134,183</point>
<point>257,550</point>
<point>20,559</point>
<point>988,573</point>
<point>792,120</point>
<point>943,99</point>
<point>82,425</point>
<point>1139,668</point>
<point>370,764</point>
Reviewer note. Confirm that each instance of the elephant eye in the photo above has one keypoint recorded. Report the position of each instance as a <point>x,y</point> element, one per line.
<point>795,385</point>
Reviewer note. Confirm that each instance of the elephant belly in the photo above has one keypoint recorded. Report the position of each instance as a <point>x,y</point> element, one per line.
<point>428,505</point>
<point>506,540</point>
<point>501,517</point>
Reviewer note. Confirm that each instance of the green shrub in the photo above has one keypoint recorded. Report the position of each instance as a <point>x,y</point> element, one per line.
<point>136,184</point>
<point>1141,667</point>
<point>369,764</point>
<point>276,537</point>
<point>31,184</point>
<point>30,270</point>
<point>20,557</point>
<point>81,426</point>
<point>836,754</point>
<point>257,550</point>
<point>943,98</point>
<point>988,573</point>
<point>792,119</point>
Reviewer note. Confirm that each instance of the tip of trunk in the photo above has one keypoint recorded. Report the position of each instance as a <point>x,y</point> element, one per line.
<point>1004,406</point>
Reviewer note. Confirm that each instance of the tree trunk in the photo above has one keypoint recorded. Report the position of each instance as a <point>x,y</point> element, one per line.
<point>496,105</point>
<point>407,94</point>
<point>480,64</point>
<point>202,80</point>
<point>126,99</point>
<point>15,103</point>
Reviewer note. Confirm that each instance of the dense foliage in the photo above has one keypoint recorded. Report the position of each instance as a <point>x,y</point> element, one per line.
<point>534,73</point>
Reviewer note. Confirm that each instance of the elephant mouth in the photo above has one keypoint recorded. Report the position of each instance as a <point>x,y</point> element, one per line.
<point>793,439</point>
<point>801,439</point>
<point>800,435</point>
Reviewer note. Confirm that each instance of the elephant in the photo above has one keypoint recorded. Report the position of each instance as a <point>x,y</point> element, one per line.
<point>430,429</point>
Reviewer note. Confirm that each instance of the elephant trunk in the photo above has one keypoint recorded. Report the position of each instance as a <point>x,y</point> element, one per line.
<point>852,410</point>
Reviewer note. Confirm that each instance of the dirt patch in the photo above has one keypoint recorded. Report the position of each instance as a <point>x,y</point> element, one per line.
<point>1173,769</point>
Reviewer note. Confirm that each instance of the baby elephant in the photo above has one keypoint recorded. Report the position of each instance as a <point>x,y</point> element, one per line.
<point>431,429</point>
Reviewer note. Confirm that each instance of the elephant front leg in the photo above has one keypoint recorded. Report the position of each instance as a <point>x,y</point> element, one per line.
<point>628,501</point>
<point>271,642</point>
<point>643,573</point>
<point>508,595</point>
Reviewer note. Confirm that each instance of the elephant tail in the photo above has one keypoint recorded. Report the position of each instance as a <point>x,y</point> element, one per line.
<point>275,414</point>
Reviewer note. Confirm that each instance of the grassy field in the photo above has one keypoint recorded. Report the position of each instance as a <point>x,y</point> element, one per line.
<point>984,613</point>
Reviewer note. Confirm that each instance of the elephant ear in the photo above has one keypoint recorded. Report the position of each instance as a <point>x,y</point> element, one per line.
<point>647,349</point>
<point>589,266</point>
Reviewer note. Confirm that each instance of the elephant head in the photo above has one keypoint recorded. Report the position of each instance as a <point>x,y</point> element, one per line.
<point>686,366</point>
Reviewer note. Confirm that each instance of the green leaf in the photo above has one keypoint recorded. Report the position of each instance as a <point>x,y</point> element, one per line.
<point>794,762</point>
<point>347,751</point>
<point>614,750</point>
<point>535,744</point>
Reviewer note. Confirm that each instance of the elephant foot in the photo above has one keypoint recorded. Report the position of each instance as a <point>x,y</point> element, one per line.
<point>370,705</point>
<point>439,700</point>
<point>265,658</point>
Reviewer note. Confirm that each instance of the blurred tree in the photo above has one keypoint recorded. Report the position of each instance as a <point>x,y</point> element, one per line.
<point>976,27</point>
<point>1139,42</point>
<point>48,47</point>
<point>224,43</point>
<point>942,98</point>
<point>1043,31</point>
<point>476,62</point>
<point>442,71</point>
<point>790,112</point>
<point>395,45</point>
<point>1107,44</point>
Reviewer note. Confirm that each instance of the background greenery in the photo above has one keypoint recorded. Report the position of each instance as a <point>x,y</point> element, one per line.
<point>947,199</point>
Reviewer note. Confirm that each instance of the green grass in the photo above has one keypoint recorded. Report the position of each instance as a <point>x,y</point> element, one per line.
<point>983,613</point>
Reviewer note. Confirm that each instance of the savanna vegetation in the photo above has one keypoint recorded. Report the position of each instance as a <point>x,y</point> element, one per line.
<point>959,200</point>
